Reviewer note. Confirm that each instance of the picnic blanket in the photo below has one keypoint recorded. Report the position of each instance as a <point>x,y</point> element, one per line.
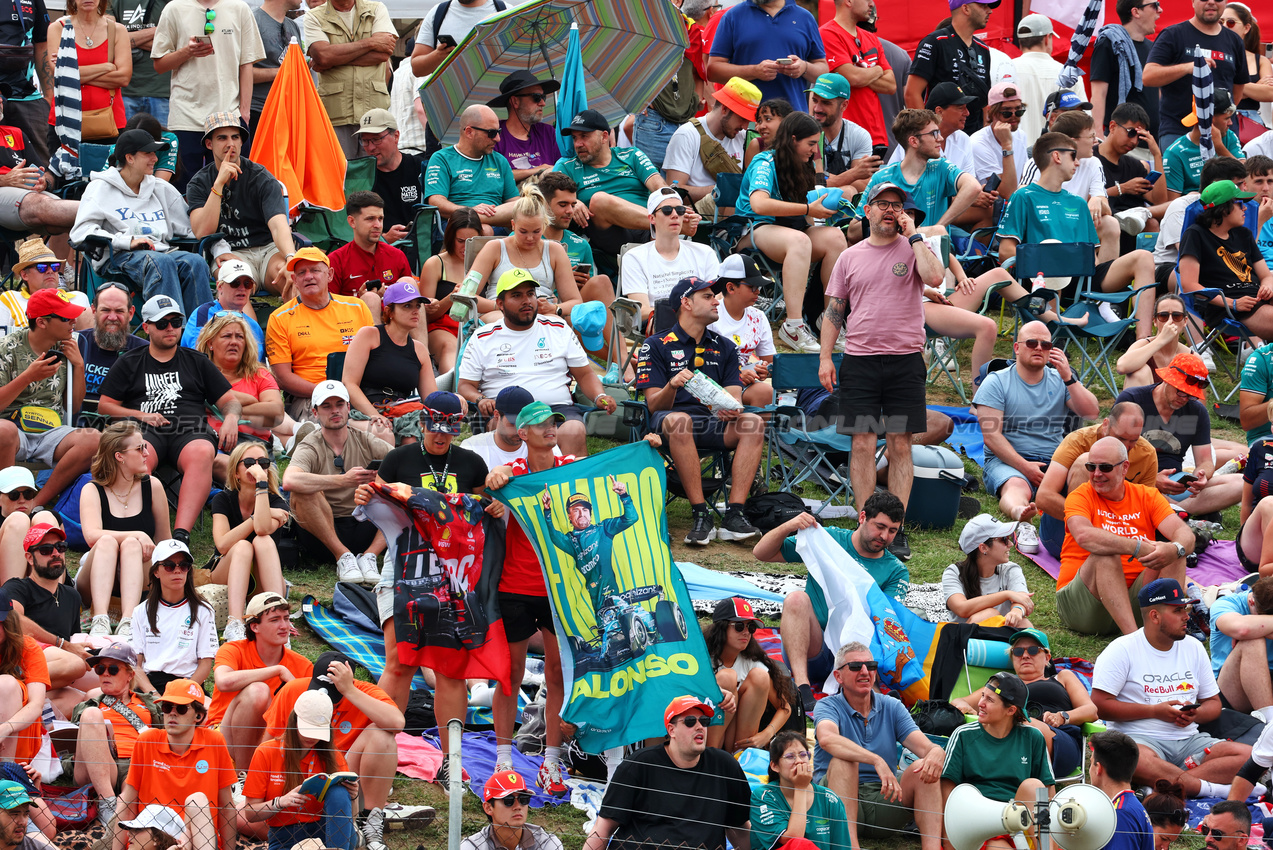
<point>420,758</point>
<point>1217,565</point>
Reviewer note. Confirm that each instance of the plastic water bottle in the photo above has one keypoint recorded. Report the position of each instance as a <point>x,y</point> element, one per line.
<point>1038,283</point>
<point>468,286</point>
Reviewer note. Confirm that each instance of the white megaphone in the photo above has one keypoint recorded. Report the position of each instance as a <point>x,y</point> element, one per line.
<point>1082,818</point>
<point>971,819</point>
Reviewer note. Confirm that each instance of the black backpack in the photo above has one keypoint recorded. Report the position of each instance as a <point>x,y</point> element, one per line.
<point>767,511</point>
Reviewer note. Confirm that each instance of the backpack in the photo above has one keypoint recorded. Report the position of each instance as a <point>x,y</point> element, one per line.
<point>355,604</point>
<point>716,160</point>
<point>767,511</point>
<point>445,6</point>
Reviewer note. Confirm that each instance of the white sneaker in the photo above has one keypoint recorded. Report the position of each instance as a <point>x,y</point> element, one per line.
<point>1207,360</point>
<point>347,569</point>
<point>399,817</point>
<point>234,630</point>
<point>370,570</point>
<point>236,790</point>
<point>799,337</point>
<point>124,631</point>
<point>1027,539</point>
<point>941,351</point>
<point>101,626</point>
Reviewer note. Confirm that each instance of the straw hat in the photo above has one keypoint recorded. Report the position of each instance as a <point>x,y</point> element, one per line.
<point>33,251</point>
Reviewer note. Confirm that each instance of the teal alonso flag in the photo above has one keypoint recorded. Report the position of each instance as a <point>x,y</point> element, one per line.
<point>629,641</point>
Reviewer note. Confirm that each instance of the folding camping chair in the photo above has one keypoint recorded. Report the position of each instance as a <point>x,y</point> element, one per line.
<point>329,229</point>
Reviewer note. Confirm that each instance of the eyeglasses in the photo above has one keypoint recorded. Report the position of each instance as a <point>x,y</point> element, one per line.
<point>490,134</point>
<point>104,669</point>
<point>47,549</point>
<point>174,566</point>
<point>511,800</point>
<point>694,720</point>
<point>208,27</point>
<point>1021,651</point>
<point>1045,344</point>
<point>748,626</point>
<point>1230,22</point>
<point>887,205</point>
<point>1194,380</point>
<point>856,666</point>
<point>42,268</point>
<point>173,708</point>
<point>1071,151</point>
<point>936,134</point>
<point>1103,467</point>
<point>375,140</point>
<point>249,462</point>
<point>797,756</point>
<point>668,211</point>
<point>166,323</point>
<point>1174,315</point>
<point>24,493</point>
<point>240,283</point>
<point>1013,113</point>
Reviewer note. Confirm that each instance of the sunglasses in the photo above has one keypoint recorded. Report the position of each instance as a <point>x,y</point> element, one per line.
<point>47,549</point>
<point>104,669</point>
<point>249,462</point>
<point>23,493</point>
<point>1044,344</point>
<point>694,720</point>
<point>208,27</point>
<point>1103,467</point>
<point>1071,151</point>
<point>59,318</point>
<point>240,283</point>
<point>1211,830</point>
<point>744,627</point>
<point>444,418</point>
<point>166,323</point>
<point>538,97</point>
<point>173,708</point>
<point>339,463</point>
<point>679,210</point>
<point>490,134</point>
<point>43,268</point>
<point>1157,7</point>
<point>1020,651</point>
<point>1193,380</point>
<point>1013,113</point>
<point>798,756</point>
<point>1174,315</point>
<point>522,799</point>
<point>174,566</point>
<point>856,666</point>
<point>1230,22</point>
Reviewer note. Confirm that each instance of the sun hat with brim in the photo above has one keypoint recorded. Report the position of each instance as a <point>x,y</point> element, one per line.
<point>314,715</point>
<point>1030,633</point>
<point>955,4</point>
<point>1162,591</point>
<point>232,270</point>
<point>512,279</point>
<point>1221,104</point>
<point>740,269</point>
<point>947,94</point>
<point>1009,688</point>
<point>739,97</point>
<point>376,121</point>
<point>1180,369</point>
<point>586,121</point>
<point>12,795</point>
<point>308,254</point>
<point>262,602</point>
<point>165,549</point>
<point>687,286</point>
<point>159,307</point>
<point>52,302</point>
<point>518,82</point>
<point>1221,192</point>
<point>38,532</point>
<point>510,401</point>
<point>157,817</point>
<point>981,529</point>
<point>402,292</point>
<point>589,320</point>
<point>319,680</point>
<point>182,692</point>
<point>537,412</point>
<point>121,652</point>
<point>33,251</point>
<point>326,390</point>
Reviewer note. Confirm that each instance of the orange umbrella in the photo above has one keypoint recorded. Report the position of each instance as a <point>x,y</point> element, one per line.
<point>295,139</point>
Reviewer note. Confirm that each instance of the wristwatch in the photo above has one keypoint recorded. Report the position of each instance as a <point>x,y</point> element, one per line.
<point>1180,550</point>
<point>1072,381</point>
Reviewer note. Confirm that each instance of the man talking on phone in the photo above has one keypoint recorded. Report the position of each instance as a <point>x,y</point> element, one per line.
<point>1156,685</point>
<point>35,365</point>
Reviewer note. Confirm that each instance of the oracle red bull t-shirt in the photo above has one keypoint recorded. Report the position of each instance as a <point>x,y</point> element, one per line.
<point>1134,671</point>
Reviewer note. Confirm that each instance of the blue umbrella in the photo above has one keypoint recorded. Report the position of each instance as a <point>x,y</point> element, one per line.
<point>573,95</point>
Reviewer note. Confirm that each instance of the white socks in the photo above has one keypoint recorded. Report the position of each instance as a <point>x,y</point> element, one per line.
<point>503,753</point>
<point>1212,789</point>
<point>552,754</point>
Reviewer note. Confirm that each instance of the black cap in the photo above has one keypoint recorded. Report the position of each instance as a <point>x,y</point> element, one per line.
<point>735,609</point>
<point>520,81</point>
<point>585,121</point>
<point>317,683</point>
<point>947,94</point>
<point>687,286</point>
<point>1009,688</point>
<point>135,141</point>
<point>511,400</point>
<point>1162,591</point>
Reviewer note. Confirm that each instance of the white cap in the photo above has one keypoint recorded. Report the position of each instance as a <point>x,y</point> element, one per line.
<point>157,817</point>
<point>165,549</point>
<point>1035,25</point>
<point>233,270</point>
<point>658,196</point>
<point>981,528</point>
<point>158,307</point>
<point>314,715</point>
<point>329,389</point>
<point>16,477</point>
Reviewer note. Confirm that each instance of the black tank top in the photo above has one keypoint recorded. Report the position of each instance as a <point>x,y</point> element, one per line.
<point>143,521</point>
<point>392,371</point>
<point>1048,695</point>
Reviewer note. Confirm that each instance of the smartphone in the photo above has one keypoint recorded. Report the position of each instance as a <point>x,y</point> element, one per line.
<point>879,150</point>
<point>1187,478</point>
<point>1191,706</point>
<point>1153,177</point>
<point>374,465</point>
<point>56,354</point>
<point>203,39</point>
<point>992,183</point>
<point>586,268</point>
<point>787,61</point>
<point>446,40</point>
<point>372,285</point>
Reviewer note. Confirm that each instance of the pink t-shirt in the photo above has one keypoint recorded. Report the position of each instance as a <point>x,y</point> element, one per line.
<point>252,386</point>
<point>885,296</point>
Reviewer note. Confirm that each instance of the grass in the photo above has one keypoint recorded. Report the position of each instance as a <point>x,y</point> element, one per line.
<point>932,551</point>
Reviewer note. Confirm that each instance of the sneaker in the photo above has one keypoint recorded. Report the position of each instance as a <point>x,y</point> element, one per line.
<point>370,570</point>
<point>302,431</point>
<point>347,569</point>
<point>969,507</point>
<point>398,816</point>
<point>106,812</point>
<point>1207,359</point>
<point>703,530</point>
<point>1107,312</point>
<point>443,776</point>
<point>736,527</point>
<point>900,547</point>
<point>236,790</point>
<point>613,377</point>
<point>101,626</point>
<point>807,702</point>
<point>124,631</point>
<point>234,630</point>
<point>941,351</point>
<point>182,534</point>
<point>504,766</point>
<point>1027,539</point>
<point>799,337</point>
<point>373,829</point>
<point>551,779</point>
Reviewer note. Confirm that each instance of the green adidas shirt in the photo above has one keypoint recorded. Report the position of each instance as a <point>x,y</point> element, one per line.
<point>825,822</point>
<point>470,182</point>
<point>1035,214</point>
<point>997,766</point>
<point>624,177</point>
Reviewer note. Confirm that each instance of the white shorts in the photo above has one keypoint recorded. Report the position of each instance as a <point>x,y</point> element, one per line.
<point>384,600</point>
<point>39,448</point>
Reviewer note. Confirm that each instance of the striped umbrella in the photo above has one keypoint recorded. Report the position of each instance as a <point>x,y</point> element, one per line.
<point>630,50</point>
<point>1203,101</point>
<point>1070,73</point>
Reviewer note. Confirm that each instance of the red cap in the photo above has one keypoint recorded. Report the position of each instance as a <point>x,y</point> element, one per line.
<point>37,532</point>
<point>52,302</point>
<point>502,783</point>
<point>680,705</point>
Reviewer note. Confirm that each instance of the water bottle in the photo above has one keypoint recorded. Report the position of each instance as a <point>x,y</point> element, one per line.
<point>468,286</point>
<point>1039,283</point>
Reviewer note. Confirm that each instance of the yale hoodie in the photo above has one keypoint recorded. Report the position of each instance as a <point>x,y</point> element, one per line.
<point>110,208</point>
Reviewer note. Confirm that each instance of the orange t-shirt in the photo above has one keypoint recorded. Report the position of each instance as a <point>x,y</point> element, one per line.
<point>347,721</point>
<point>165,778</point>
<point>1135,517</point>
<point>266,780</point>
<point>34,669</point>
<point>242,655</point>
<point>125,734</point>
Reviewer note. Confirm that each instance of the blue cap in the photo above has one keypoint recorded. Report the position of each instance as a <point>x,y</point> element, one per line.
<point>589,320</point>
<point>442,413</point>
<point>511,400</point>
<point>1064,99</point>
<point>1162,591</point>
<point>684,288</point>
